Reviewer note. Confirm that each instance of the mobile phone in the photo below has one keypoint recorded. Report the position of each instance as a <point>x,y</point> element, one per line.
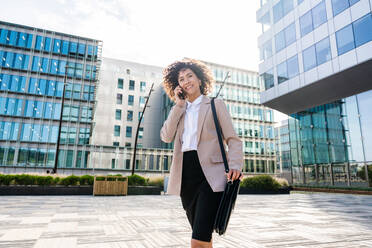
<point>182,95</point>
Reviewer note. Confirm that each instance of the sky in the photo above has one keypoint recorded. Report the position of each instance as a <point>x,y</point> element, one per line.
<point>155,32</point>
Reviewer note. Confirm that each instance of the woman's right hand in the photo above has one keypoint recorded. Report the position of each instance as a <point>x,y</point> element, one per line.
<point>180,102</point>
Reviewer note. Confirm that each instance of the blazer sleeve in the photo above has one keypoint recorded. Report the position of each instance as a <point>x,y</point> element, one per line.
<point>168,131</point>
<point>235,147</point>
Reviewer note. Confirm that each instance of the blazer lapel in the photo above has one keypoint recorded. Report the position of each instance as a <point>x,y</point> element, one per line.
<point>204,106</point>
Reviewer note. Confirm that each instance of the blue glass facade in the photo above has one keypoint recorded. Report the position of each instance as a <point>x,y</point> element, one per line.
<point>331,143</point>
<point>33,66</point>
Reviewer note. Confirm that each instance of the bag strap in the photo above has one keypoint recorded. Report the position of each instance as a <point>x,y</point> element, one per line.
<point>218,130</point>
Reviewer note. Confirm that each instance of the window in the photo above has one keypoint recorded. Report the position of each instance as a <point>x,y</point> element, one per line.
<point>113,162</point>
<point>139,116</point>
<point>323,51</point>
<point>299,2</point>
<point>345,39</point>
<point>292,66</point>
<point>116,144</point>
<point>290,34</point>
<point>119,99</point>
<point>282,72</point>
<point>306,23</point>
<point>140,132</point>
<point>309,58</point>
<point>268,79</point>
<point>319,14</point>
<point>128,132</point>
<point>278,11</point>
<point>130,100</point>
<point>130,115</point>
<point>117,131</point>
<point>279,41</point>
<point>363,30</point>
<point>266,50</point>
<point>340,5</point>
<point>118,114</point>
<point>142,101</point>
<point>131,84</point>
<point>120,83</point>
<point>142,86</point>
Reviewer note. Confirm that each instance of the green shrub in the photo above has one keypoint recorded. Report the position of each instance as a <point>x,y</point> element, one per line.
<point>44,180</point>
<point>6,179</point>
<point>136,180</point>
<point>56,180</point>
<point>70,180</point>
<point>159,182</point>
<point>261,182</point>
<point>86,180</point>
<point>25,179</point>
<point>361,173</point>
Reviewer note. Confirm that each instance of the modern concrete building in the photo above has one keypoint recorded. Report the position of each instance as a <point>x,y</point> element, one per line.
<point>316,60</point>
<point>35,64</point>
<point>282,149</point>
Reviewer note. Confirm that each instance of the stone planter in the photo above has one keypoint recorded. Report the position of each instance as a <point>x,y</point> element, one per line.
<point>245,191</point>
<point>46,190</point>
<point>144,190</point>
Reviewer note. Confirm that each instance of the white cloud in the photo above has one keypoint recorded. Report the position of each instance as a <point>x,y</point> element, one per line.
<point>152,32</point>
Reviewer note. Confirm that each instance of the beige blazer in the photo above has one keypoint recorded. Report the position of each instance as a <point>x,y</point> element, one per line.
<point>208,149</point>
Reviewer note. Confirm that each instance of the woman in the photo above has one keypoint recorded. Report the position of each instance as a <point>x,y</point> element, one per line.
<point>197,172</point>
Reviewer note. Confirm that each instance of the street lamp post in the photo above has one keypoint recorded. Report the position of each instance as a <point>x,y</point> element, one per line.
<point>60,120</point>
<point>138,126</point>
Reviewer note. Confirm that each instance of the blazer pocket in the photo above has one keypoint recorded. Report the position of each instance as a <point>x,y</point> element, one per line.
<point>216,159</point>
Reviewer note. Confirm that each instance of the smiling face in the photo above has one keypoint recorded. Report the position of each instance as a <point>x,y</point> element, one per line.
<point>188,80</point>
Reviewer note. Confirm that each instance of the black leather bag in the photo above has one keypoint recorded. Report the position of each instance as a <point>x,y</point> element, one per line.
<point>231,189</point>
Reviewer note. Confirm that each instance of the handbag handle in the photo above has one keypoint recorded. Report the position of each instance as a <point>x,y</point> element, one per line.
<point>218,130</point>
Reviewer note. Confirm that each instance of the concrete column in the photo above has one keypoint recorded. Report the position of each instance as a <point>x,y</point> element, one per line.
<point>347,165</point>
<point>331,173</point>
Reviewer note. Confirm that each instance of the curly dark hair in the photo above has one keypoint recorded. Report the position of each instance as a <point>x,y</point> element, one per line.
<point>170,76</point>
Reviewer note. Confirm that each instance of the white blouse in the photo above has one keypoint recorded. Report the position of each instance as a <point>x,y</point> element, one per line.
<point>189,139</point>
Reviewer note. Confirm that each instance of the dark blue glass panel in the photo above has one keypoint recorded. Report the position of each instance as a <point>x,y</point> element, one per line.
<point>292,67</point>
<point>319,14</point>
<point>62,67</point>
<point>22,39</point>
<point>48,110</point>
<point>32,86</point>
<point>36,132</point>
<point>29,108</point>
<point>90,50</point>
<point>42,87</point>
<point>54,66</point>
<point>56,111</point>
<point>5,82</point>
<point>39,42</point>
<point>51,88</point>
<point>35,64</point>
<point>29,40</point>
<point>26,132</point>
<point>339,5</point>
<point>309,58</point>
<point>2,105</point>
<point>13,38</point>
<point>9,59</point>
<point>44,133</point>
<point>278,11</point>
<point>13,83</point>
<point>57,46</point>
<point>73,48</point>
<point>47,44</point>
<point>59,88</point>
<point>18,61</point>
<point>38,110</point>
<point>345,40</point>
<point>78,70</point>
<point>81,49</point>
<point>53,134</point>
<point>323,51</point>
<point>363,30</point>
<point>282,72</point>
<point>279,41</point>
<point>26,60</point>
<point>290,34</point>
<point>71,69</point>
<point>22,84</point>
<point>45,65</point>
<point>306,23</point>
<point>3,36</point>
<point>65,45</point>
<point>268,78</point>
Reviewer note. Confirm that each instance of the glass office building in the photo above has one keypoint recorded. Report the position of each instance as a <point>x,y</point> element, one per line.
<point>35,65</point>
<point>252,121</point>
<point>316,60</point>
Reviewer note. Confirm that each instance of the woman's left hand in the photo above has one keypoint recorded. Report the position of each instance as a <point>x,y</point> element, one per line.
<point>234,174</point>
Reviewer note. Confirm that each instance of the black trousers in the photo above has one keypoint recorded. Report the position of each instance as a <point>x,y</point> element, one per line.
<point>198,199</point>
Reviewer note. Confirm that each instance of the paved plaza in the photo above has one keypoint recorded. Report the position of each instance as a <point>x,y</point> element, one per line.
<point>295,220</point>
